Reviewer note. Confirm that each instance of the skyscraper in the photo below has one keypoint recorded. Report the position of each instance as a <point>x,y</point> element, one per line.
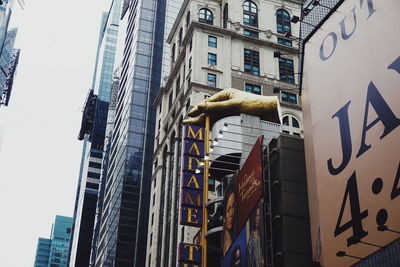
<point>9,57</point>
<point>92,133</point>
<point>123,228</point>
<point>54,251</point>
<point>42,252</point>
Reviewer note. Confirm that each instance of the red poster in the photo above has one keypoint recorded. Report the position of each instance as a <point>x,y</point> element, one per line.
<point>249,185</point>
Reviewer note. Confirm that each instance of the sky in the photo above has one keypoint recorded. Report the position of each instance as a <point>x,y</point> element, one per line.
<point>39,151</point>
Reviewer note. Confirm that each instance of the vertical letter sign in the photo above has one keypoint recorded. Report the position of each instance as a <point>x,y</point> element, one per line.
<point>192,191</point>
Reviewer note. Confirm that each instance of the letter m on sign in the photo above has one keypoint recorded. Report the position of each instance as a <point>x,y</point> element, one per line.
<point>194,132</point>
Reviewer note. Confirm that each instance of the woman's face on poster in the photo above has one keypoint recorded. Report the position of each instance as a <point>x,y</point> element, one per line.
<point>230,211</point>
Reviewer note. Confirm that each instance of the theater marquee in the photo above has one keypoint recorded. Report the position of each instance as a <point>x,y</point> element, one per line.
<point>351,93</point>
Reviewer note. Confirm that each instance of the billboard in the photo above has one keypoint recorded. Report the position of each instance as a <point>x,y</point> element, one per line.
<point>350,99</point>
<point>243,235</point>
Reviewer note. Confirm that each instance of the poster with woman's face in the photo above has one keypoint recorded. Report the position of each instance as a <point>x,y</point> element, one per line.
<point>230,217</point>
<point>255,237</point>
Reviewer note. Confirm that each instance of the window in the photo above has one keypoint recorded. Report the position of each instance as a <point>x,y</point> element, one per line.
<point>283,21</point>
<point>251,62</point>
<point>254,89</point>
<point>188,105</point>
<point>190,63</point>
<point>286,120</point>
<point>289,97</point>
<point>180,36</point>
<point>212,59</point>
<point>284,42</point>
<point>152,219</point>
<point>170,100</point>
<point>250,33</point>
<point>225,16</point>
<point>211,184</point>
<point>286,70</point>
<point>291,125</point>
<point>178,85</point>
<point>250,17</point>
<point>212,80</point>
<point>173,53</point>
<point>206,16</point>
<point>190,45</point>
<point>295,123</point>
<point>212,41</point>
<point>188,18</point>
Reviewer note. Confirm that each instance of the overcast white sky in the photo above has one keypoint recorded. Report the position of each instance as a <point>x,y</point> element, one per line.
<point>40,153</point>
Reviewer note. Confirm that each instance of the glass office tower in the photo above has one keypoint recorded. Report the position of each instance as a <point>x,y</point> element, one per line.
<point>54,251</point>
<point>8,64</point>
<point>123,230</point>
<point>42,252</point>
<point>86,211</point>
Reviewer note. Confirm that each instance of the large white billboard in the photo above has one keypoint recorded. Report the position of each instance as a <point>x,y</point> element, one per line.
<point>351,102</point>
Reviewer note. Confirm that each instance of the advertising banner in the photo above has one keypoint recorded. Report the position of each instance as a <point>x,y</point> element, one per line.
<point>351,92</point>
<point>249,183</point>
<point>243,236</point>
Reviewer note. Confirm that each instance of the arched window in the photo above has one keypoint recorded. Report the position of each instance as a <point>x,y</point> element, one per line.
<point>225,16</point>
<point>286,120</point>
<point>188,18</point>
<point>295,123</point>
<point>291,125</point>
<point>250,16</point>
<point>283,21</point>
<point>206,16</point>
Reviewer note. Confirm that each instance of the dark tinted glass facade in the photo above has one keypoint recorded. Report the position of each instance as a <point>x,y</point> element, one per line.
<point>123,230</point>
<point>94,121</point>
<point>8,63</point>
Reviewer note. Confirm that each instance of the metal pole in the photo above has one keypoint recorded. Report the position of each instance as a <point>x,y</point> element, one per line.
<point>205,193</point>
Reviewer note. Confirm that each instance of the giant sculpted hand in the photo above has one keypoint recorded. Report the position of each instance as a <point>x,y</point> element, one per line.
<point>231,102</point>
